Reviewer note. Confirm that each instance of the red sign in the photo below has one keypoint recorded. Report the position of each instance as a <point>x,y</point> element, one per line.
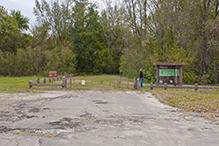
<point>52,73</point>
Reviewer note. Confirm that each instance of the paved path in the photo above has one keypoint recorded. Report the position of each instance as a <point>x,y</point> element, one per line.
<point>69,118</point>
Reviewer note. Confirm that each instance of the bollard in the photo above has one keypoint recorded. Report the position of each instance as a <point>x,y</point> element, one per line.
<point>50,80</point>
<point>63,82</point>
<point>66,83</point>
<point>137,84</point>
<point>165,86</point>
<point>151,86</point>
<point>196,86</point>
<point>134,83</point>
<point>30,84</point>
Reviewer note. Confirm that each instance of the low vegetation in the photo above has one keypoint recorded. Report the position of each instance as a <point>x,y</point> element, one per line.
<point>20,84</point>
<point>201,100</point>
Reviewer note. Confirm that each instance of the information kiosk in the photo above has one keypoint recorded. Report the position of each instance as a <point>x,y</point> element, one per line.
<point>169,72</point>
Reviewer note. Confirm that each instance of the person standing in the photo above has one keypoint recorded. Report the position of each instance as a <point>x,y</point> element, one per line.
<point>141,76</point>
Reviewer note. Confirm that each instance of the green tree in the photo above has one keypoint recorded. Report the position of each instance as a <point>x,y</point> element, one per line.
<point>12,27</point>
<point>57,15</point>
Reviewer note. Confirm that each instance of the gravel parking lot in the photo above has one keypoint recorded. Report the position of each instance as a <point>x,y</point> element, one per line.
<point>95,118</point>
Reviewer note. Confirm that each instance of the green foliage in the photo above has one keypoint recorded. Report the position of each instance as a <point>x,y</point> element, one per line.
<point>35,61</point>
<point>90,47</point>
<point>72,36</point>
<point>11,30</point>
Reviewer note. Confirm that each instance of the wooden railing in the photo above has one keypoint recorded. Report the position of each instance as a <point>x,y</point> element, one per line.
<point>45,83</point>
<point>69,82</point>
<point>90,82</point>
<point>196,87</point>
<point>73,82</point>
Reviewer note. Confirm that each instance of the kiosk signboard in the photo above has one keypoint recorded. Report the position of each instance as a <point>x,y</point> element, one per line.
<point>168,72</point>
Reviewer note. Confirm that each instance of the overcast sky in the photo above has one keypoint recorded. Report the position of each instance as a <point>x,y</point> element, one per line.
<point>26,7</point>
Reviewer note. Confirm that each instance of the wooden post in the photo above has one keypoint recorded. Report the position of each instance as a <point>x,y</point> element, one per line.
<point>157,76</point>
<point>70,82</point>
<point>109,81</point>
<point>151,86</point>
<point>180,75</point>
<point>63,82</point>
<point>50,80</point>
<point>137,83</point>
<point>38,81</point>
<point>58,78</point>
<point>54,79</point>
<point>196,86</point>
<point>134,83</point>
<point>127,83</point>
<point>30,84</point>
<point>66,83</point>
<point>118,83</point>
<point>44,80</point>
<point>165,86</point>
<point>91,82</point>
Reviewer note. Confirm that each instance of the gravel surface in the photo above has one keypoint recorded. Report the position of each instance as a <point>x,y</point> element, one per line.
<point>95,118</point>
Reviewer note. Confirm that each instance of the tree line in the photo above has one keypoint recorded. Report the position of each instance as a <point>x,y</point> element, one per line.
<point>79,36</point>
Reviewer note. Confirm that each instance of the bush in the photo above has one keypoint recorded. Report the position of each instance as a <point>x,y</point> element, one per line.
<point>36,61</point>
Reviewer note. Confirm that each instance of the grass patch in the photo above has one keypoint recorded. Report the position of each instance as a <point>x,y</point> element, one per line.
<point>15,84</point>
<point>103,81</point>
<point>20,84</point>
<point>203,100</point>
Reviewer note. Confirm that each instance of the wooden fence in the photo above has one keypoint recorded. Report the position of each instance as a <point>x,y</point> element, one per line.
<point>69,82</point>
<point>45,83</point>
<point>75,82</point>
<point>196,87</point>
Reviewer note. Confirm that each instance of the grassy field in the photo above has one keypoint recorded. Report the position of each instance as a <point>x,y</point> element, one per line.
<point>20,84</point>
<point>15,84</point>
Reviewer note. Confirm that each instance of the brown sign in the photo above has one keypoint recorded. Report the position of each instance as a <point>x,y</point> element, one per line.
<point>52,73</point>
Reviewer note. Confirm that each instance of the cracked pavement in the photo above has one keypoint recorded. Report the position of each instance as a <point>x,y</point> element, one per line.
<point>99,119</point>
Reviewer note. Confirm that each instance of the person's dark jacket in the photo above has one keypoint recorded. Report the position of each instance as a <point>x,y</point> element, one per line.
<point>141,74</point>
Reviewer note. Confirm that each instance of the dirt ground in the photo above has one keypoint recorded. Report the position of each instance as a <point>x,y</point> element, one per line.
<point>102,118</point>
